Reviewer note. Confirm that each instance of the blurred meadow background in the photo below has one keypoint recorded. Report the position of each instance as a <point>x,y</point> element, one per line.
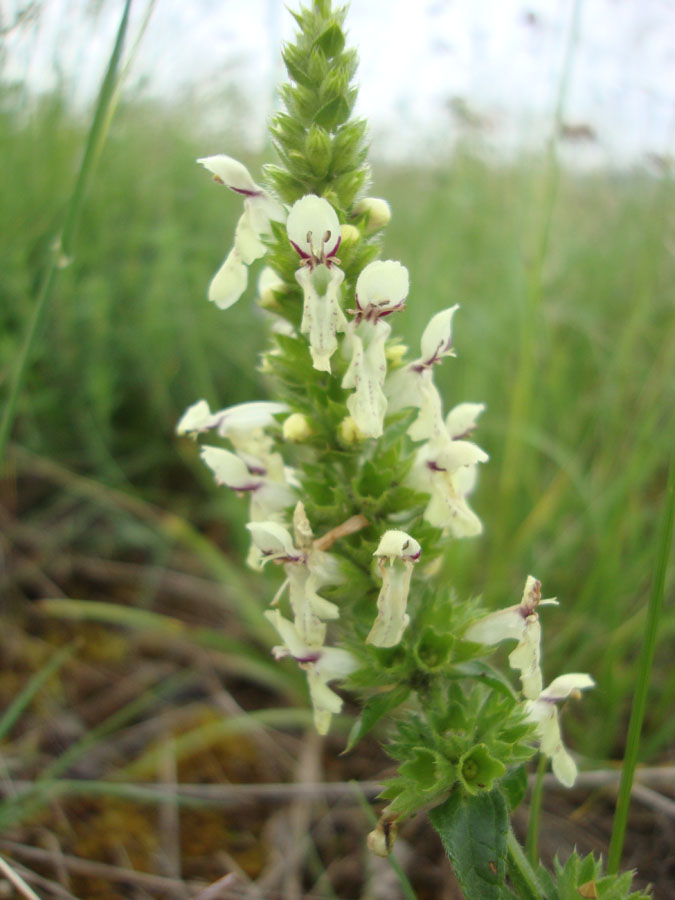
<point>528,186</point>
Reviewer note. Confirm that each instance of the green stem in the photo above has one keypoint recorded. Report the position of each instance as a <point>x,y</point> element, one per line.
<point>62,247</point>
<point>644,672</point>
<point>520,871</point>
<point>532,839</point>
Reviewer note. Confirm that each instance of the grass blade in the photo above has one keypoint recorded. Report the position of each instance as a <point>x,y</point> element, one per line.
<point>15,710</point>
<point>62,247</point>
<point>644,673</point>
<point>246,661</point>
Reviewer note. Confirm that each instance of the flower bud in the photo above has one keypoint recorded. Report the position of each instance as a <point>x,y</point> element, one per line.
<point>269,283</point>
<point>296,428</point>
<point>395,353</point>
<point>318,149</point>
<point>350,234</point>
<point>377,212</point>
<point>381,839</point>
<point>348,432</point>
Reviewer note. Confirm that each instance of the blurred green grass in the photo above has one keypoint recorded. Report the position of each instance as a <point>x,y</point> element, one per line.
<point>131,341</point>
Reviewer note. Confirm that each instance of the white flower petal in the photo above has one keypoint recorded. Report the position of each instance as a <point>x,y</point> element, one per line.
<point>308,607</point>
<point>247,239</point>
<point>313,227</point>
<point>526,657</point>
<point>269,283</point>
<point>392,619</point>
<point>231,173</point>
<point>273,541</point>
<point>544,712</point>
<point>196,419</point>
<point>456,454</point>
<point>288,634</point>
<point>366,374</point>
<point>447,509</point>
<point>437,337</point>
<point>322,316</point>
<point>397,554</point>
<point>429,424</point>
<point>229,282</point>
<point>382,287</point>
<point>505,624</point>
<point>403,387</point>
<point>465,479</point>
<point>461,420</point>
<point>561,687</point>
<point>564,767</point>
<point>229,469</point>
<point>246,416</point>
<point>335,663</point>
<point>395,544</point>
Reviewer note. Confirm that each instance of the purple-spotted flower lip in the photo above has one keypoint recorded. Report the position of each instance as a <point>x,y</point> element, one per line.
<point>443,349</point>
<point>436,340</point>
<point>243,191</point>
<point>271,554</point>
<point>320,258</point>
<point>247,488</point>
<point>373,311</point>
<point>308,658</point>
<point>396,544</point>
<point>381,289</point>
<point>314,231</point>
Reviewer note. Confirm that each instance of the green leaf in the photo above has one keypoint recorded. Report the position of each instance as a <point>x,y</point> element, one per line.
<point>473,831</point>
<point>331,40</point>
<point>484,673</point>
<point>514,785</point>
<point>373,710</point>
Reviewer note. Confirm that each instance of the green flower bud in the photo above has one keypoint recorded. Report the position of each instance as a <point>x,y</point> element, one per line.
<point>317,68</point>
<point>376,211</point>
<point>296,428</point>
<point>331,40</point>
<point>318,149</point>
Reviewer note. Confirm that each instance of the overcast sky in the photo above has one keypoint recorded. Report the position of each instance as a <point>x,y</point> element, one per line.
<point>420,59</point>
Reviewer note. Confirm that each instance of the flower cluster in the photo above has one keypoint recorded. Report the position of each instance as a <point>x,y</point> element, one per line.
<point>445,462</point>
<point>521,623</point>
<point>444,466</point>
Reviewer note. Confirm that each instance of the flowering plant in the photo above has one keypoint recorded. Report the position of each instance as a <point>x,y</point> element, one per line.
<point>358,479</point>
